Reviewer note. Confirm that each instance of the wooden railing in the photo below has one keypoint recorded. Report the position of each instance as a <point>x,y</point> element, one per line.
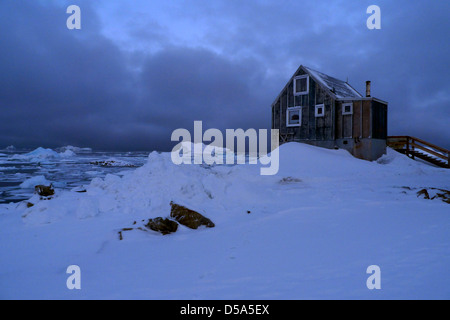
<point>408,145</point>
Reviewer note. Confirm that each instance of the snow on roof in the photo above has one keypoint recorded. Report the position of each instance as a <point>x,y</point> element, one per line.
<point>341,89</point>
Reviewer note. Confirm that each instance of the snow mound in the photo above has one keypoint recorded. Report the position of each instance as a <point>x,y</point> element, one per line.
<point>147,191</point>
<point>310,231</point>
<point>200,148</point>
<point>34,181</point>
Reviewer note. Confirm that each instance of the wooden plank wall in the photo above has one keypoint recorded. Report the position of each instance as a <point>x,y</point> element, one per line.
<point>312,128</point>
<point>379,120</point>
<point>366,119</point>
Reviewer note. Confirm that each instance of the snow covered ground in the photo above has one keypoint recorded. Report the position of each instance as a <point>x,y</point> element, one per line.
<point>309,232</point>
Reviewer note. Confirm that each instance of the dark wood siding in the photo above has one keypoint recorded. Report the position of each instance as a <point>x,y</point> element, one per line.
<point>366,106</point>
<point>357,119</point>
<point>369,118</point>
<point>379,120</point>
<point>276,115</point>
<point>338,121</point>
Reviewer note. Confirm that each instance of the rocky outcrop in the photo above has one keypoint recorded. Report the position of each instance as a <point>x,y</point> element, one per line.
<point>164,226</point>
<point>188,217</point>
<point>112,163</point>
<point>181,214</point>
<point>44,191</point>
<point>289,180</point>
<point>434,193</point>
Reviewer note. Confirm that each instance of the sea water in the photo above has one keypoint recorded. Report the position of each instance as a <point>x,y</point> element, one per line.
<point>65,170</point>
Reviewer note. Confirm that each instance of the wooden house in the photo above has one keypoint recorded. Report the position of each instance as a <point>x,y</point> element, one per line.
<point>317,109</point>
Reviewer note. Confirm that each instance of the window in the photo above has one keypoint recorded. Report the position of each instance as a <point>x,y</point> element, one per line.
<point>294,117</point>
<point>347,108</point>
<point>347,120</point>
<point>320,110</point>
<point>301,85</point>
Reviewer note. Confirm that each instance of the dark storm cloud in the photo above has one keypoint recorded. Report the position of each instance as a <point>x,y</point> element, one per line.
<point>61,87</point>
<point>57,86</point>
<point>195,84</point>
<point>134,74</point>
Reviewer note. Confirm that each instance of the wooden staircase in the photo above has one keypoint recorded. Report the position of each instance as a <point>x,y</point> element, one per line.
<point>418,148</point>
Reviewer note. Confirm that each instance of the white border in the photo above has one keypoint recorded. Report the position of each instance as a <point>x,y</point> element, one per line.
<point>344,104</point>
<point>300,116</point>
<point>323,110</point>
<point>307,85</point>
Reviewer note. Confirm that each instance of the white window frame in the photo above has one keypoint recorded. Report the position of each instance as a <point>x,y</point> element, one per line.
<point>323,110</point>
<point>305,76</point>
<point>347,104</point>
<point>299,108</point>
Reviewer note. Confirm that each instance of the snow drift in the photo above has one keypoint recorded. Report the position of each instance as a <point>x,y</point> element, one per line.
<point>308,232</point>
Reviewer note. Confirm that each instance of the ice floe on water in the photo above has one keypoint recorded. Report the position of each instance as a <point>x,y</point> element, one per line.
<point>42,154</point>
<point>74,149</point>
<point>64,167</point>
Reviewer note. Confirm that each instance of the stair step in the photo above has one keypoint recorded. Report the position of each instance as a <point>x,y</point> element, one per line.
<point>425,157</point>
<point>412,147</point>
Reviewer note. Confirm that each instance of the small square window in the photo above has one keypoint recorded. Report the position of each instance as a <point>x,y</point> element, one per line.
<point>347,108</point>
<point>301,85</point>
<point>294,117</point>
<point>320,110</point>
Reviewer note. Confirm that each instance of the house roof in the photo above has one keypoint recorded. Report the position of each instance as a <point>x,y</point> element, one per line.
<point>337,88</point>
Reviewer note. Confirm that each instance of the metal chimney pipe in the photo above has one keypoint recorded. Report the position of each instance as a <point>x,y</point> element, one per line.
<point>367,88</point>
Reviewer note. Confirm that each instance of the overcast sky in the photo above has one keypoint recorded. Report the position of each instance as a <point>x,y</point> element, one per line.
<point>137,70</point>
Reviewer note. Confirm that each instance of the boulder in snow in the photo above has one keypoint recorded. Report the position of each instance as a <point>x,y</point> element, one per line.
<point>44,191</point>
<point>434,193</point>
<point>188,217</point>
<point>164,226</point>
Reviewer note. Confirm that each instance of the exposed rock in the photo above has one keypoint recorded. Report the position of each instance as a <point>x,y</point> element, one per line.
<point>164,226</point>
<point>443,194</point>
<point>188,217</point>
<point>289,180</point>
<point>44,191</point>
<point>126,229</point>
<point>423,193</point>
<point>182,215</point>
<point>112,163</point>
<point>435,193</point>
